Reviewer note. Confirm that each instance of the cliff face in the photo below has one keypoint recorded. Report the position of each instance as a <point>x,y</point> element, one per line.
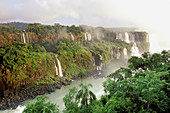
<point>28,57</point>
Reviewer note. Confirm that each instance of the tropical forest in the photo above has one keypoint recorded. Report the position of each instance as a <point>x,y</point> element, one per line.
<point>36,60</point>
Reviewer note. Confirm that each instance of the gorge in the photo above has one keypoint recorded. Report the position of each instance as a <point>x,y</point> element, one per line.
<point>52,56</point>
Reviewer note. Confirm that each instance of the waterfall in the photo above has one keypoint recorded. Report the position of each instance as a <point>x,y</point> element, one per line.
<point>133,38</point>
<point>125,53</point>
<point>23,36</point>
<point>134,50</point>
<point>120,36</point>
<point>118,53</point>
<point>127,38</point>
<point>89,37</point>
<point>56,69</point>
<point>86,36</point>
<point>72,37</point>
<point>59,68</point>
<point>27,37</point>
<point>99,67</point>
<point>117,35</point>
<point>147,38</point>
<point>94,61</point>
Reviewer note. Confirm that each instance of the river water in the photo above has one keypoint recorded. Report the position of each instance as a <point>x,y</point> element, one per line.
<point>96,80</point>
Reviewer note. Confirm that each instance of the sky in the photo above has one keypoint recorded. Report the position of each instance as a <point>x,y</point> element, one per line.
<point>152,16</point>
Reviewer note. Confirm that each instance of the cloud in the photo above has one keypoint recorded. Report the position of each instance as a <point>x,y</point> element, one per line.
<point>5,14</point>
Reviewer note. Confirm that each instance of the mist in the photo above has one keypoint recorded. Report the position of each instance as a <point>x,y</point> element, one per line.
<point>148,15</point>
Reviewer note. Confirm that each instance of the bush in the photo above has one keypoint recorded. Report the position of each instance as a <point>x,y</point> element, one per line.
<point>41,107</point>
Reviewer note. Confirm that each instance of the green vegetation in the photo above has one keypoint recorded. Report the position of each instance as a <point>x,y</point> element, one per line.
<point>41,107</point>
<point>27,57</point>
<point>142,87</point>
<point>23,64</point>
<point>139,88</point>
<point>79,101</point>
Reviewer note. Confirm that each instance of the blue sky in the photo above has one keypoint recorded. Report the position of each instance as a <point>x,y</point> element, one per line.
<point>150,15</point>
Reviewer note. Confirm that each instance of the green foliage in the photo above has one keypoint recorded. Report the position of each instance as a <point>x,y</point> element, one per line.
<point>84,95</point>
<point>145,91</point>
<point>71,106</point>
<point>81,75</point>
<point>22,64</point>
<point>40,106</point>
<point>148,61</point>
<point>79,101</point>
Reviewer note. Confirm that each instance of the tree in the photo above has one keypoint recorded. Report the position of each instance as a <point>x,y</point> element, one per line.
<point>81,75</point>
<point>71,106</point>
<point>84,95</point>
<point>41,107</point>
<point>79,101</point>
<point>146,91</point>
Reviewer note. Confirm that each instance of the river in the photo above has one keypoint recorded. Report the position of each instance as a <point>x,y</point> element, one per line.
<point>96,80</point>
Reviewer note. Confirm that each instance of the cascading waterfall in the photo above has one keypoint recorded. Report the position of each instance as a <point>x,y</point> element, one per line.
<point>117,35</point>
<point>56,69</point>
<point>72,37</point>
<point>134,50</point>
<point>127,38</point>
<point>133,38</point>
<point>23,36</point>
<point>99,67</point>
<point>87,36</point>
<point>125,53</point>
<point>59,68</point>
<point>27,37</point>
<point>147,38</point>
<point>118,53</point>
<point>120,36</point>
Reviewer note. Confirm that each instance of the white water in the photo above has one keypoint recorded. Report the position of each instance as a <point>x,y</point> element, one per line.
<point>23,36</point>
<point>123,37</point>
<point>87,36</point>
<point>56,69</point>
<point>118,53</point>
<point>133,38</point>
<point>120,36</point>
<point>125,53</point>
<point>147,38</point>
<point>59,67</point>
<point>127,38</point>
<point>135,50</point>
<point>72,37</point>
<point>117,35</point>
<point>27,37</point>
